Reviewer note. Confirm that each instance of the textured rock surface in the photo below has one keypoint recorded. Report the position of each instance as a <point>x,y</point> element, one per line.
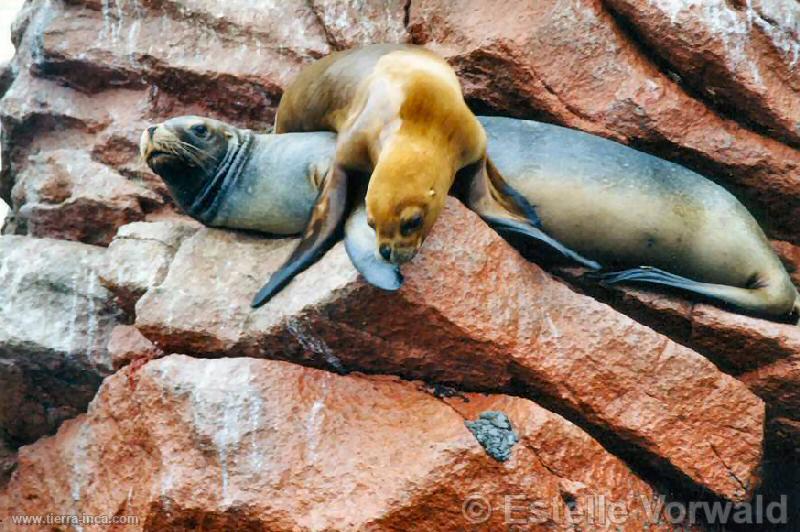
<point>139,257</point>
<point>241,444</point>
<point>456,321</point>
<point>735,342</point>
<point>127,345</point>
<point>55,321</point>
<point>729,52</point>
<point>712,85</point>
<point>64,194</point>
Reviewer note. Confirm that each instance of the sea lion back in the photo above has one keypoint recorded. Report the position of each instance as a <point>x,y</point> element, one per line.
<point>327,87</point>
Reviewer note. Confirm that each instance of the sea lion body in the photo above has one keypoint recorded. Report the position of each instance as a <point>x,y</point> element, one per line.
<point>628,209</point>
<point>400,115</point>
<point>624,208</point>
<point>277,191</point>
<point>233,178</point>
<point>401,120</point>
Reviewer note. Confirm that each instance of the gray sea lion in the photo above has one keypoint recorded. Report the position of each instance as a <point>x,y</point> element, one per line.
<point>661,222</point>
<point>233,178</point>
<point>401,120</point>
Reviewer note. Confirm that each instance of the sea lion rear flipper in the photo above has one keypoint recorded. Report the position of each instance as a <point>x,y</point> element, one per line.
<point>763,298</point>
<point>505,209</point>
<point>319,235</point>
<point>359,241</point>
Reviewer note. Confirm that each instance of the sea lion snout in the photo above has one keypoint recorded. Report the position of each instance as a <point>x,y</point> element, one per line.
<point>150,143</point>
<point>145,142</point>
<point>188,141</point>
<point>401,255</point>
<point>397,254</point>
<point>399,236</point>
<point>397,251</point>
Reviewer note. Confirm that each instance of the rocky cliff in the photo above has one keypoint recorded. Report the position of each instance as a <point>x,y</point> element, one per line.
<point>136,381</point>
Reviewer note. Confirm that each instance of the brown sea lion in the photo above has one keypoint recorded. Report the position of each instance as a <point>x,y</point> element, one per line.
<point>401,119</point>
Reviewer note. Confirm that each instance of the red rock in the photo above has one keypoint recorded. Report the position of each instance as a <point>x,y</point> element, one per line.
<point>735,342</point>
<point>127,344</point>
<point>460,320</point>
<point>64,194</point>
<point>729,54</point>
<point>347,24</point>
<point>779,384</point>
<point>790,254</point>
<point>139,257</point>
<point>55,320</point>
<point>747,343</point>
<point>242,444</point>
<point>239,57</point>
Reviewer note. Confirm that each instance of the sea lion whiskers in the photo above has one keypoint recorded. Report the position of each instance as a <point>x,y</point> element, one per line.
<point>200,151</point>
<point>176,149</point>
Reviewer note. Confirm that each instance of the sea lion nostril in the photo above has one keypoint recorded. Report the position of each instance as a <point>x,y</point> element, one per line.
<point>385,251</point>
<point>151,131</point>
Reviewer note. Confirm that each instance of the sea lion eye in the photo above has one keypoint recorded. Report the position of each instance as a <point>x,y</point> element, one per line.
<point>411,225</point>
<point>371,223</point>
<point>200,130</point>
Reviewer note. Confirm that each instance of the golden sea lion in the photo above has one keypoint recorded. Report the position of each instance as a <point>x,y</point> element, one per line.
<point>401,119</point>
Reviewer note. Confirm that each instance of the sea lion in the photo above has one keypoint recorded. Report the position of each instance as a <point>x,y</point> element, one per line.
<point>234,178</point>
<point>626,209</point>
<point>400,117</point>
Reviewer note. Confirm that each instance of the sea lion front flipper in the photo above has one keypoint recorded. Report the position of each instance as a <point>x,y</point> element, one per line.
<point>505,209</point>
<point>359,241</point>
<point>490,196</point>
<point>319,235</point>
<point>514,226</point>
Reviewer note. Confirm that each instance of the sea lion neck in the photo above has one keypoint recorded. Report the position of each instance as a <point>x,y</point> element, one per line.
<point>206,204</point>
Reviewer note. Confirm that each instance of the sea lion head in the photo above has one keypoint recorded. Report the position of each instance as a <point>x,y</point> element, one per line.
<point>187,152</point>
<point>404,198</point>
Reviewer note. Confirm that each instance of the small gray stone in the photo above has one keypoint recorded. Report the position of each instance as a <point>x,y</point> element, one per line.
<point>494,432</point>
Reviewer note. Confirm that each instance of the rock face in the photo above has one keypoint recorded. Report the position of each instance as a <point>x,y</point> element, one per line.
<point>616,393</point>
<point>729,53</point>
<point>455,321</point>
<point>241,444</point>
<point>55,322</point>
